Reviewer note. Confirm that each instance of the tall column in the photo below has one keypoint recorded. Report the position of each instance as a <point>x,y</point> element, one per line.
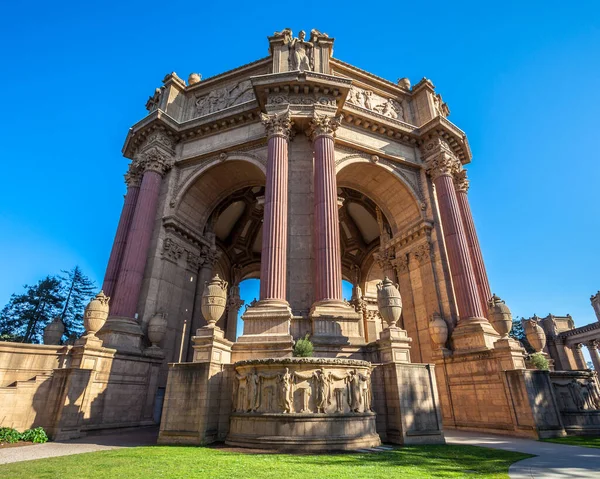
<point>155,164</point>
<point>133,179</point>
<point>473,331</point>
<point>593,349</point>
<point>328,259</point>
<point>461,184</point>
<point>578,356</point>
<point>267,323</point>
<point>274,240</point>
<point>334,322</point>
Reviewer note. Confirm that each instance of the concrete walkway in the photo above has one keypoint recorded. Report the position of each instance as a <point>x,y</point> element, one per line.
<point>141,437</point>
<point>552,461</point>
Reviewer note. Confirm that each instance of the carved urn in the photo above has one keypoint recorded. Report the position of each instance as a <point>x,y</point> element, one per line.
<point>54,331</point>
<point>157,327</point>
<point>96,313</point>
<point>214,299</point>
<point>535,334</point>
<point>389,302</point>
<point>194,78</point>
<point>500,316</point>
<point>438,330</point>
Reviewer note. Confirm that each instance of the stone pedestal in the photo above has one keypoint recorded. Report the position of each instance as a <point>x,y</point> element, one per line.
<point>210,345</point>
<point>394,346</point>
<point>266,331</point>
<point>122,333</point>
<point>336,323</point>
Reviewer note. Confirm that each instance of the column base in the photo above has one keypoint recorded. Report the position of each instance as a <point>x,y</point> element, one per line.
<point>336,323</point>
<point>474,334</point>
<point>394,346</point>
<point>122,334</point>
<point>510,354</point>
<point>266,331</point>
<point>210,345</point>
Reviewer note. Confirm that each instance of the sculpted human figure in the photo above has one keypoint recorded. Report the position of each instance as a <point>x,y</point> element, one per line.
<point>365,385</point>
<point>575,389</point>
<point>323,389</point>
<point>593,394</point>
<point>301,53</point>
<point>252,391</point>
<point>285,381</point>
<point>355,398</point>
<point>240,406</point>
<point>367,99</point>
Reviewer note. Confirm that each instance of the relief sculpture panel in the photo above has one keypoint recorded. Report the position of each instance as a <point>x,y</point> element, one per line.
<point>388,107</point>
<point>222,98</point>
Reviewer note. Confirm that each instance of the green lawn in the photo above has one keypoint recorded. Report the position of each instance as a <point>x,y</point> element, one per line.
<point>587,441</point>
<point>192,462</point>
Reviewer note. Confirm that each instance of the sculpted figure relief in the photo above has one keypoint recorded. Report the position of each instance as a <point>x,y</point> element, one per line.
<point>371,101</point>
<point>355,397</point>
<point>222,98</point>
<point>287,394</point>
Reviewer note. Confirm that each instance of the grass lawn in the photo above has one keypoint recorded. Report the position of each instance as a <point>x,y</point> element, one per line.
<point>192,462</point>
<point>587,441</point>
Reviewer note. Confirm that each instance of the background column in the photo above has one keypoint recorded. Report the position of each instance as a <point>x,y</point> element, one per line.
<point>328,261</point>
<point>461,184</point>
<point>273,261</point>
<point>593,349</point>
<point>155,164</point>
<point>441,167</point>
<point>133,179</point>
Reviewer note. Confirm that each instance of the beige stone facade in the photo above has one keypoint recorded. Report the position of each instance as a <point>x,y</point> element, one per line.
<point>300,170</point>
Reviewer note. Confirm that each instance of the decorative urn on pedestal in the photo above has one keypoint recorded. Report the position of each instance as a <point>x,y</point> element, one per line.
<point>157,327</point>
<point>535,334</point>
<point>389,302</point>
<point>438,330</point>
<point>96,313</point>
<point>54,331</point>
<point>214,300</point>
<point>500,316</point>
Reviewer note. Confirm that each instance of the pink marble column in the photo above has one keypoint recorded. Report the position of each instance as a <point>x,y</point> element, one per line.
<point>461,184</point>
<point>133,180</point>
<point>273,263</point>
<point>129,283</point>
<point>440,167</point>
<point>328,262</point>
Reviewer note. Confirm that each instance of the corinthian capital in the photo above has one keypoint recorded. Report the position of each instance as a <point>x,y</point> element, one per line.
<point>323,125</point>
<point>133,177</point>
<point>279,124</point>
<point>461,182</point>
<point>442,164</point>
<point>156,160</point>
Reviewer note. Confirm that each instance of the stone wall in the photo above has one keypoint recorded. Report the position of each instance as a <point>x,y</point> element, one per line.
<point>578,399</point>
<point>91,388</point>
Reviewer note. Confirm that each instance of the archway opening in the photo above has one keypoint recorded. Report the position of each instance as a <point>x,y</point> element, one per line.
<point>249,292</point>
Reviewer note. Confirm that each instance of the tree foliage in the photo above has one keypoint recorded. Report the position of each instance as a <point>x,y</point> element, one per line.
<point>26,315</point>
<point>303,348</point>
<point>518,332</point>
<point>77,289</point>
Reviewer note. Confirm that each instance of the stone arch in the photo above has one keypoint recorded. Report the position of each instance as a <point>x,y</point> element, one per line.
<point>382,183</point>
<point>211,183</point>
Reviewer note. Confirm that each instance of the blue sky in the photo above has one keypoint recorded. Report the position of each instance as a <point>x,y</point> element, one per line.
<point>521,79</point>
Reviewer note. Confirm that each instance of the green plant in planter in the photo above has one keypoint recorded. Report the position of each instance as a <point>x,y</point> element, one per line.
<point>303,348</point>
<point>539,361</point>
<point>37,435</point>
<point>9,435</point>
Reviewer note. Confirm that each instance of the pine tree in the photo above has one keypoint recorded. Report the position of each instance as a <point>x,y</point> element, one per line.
<point>77,289</point>
<point>518,333</point>
<point>24,317</point>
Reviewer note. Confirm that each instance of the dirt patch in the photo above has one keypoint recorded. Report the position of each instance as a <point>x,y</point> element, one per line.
<point>6,445</point>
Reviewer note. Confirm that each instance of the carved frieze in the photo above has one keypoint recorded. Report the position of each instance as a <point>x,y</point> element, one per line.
<point>172,250</point>
<point>222,98</point>
<point>367,99</point>
<point>422,253</point>
<point>302,99</point>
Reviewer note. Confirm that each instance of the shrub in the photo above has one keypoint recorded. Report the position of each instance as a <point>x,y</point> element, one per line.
<point>303,348</point>
<point>539,361</point>
<point>37,435</point>
<point>9,435</point>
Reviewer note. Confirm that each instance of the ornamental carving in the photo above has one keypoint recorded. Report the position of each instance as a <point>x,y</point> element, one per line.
<point>442,164</point>
<point>401,264</point>
<point>133,177</point>
<point>279,124</point>
<point>578,394</point>
<point>461,182</point>
<point>225,97</point>
<point>172,250</point>
<point>440,107</point>
<point>369,100</point>
<point>156,160</point>
<point>321,390</point>
<point>422,253</point>
<point>322,100</point>
<point>301,52</point>
<point>323,125</point>
<point>154,101</point>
